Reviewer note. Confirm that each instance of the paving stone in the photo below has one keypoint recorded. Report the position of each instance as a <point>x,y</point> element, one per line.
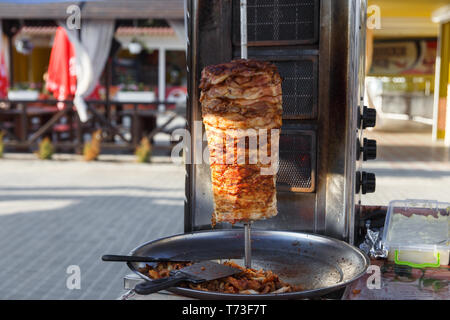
<point>59,213</point>
<point>408,166</point>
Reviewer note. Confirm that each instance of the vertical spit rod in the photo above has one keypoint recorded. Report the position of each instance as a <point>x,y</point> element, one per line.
<point>244,55</point>
<point>248,245</point>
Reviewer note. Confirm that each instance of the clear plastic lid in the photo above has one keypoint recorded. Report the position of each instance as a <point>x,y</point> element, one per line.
<point>417,225</point>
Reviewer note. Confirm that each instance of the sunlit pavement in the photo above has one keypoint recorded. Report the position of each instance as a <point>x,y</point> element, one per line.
<point>408,166</point>
<point>54,214</point>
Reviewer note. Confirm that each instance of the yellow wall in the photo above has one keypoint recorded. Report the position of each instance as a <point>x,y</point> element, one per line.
<point>407,18</point>
<point>40,58</point>
<point>445,60</point>
<point>408,8</point>
<point>444,80</point>
<point>31,68</point>
<point>20,64</point>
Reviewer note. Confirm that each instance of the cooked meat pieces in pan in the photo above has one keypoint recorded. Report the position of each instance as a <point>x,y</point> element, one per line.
<point>249,281</point>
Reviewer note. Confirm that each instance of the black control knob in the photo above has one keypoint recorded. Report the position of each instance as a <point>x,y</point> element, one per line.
<point>368,182</point>
<point>369,149</point>
<point>365,182</point>
<point>368,118</point>
<point>358,182</point>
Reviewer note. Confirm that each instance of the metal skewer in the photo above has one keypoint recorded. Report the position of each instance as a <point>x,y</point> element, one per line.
<point>248,245</point>
<point>244,55</point>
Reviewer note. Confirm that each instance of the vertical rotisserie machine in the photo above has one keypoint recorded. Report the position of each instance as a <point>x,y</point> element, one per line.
<point>318,47</point>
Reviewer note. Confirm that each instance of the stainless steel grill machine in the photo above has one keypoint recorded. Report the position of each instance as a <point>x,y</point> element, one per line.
<point>319,49</point>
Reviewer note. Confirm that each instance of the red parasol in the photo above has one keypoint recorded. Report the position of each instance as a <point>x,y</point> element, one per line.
<point>62,80</point>
<point>4,83</point>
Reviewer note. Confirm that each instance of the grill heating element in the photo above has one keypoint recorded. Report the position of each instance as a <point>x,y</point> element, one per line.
<point>297,162</point>
<point>299,88</point>
<point>278,21</point>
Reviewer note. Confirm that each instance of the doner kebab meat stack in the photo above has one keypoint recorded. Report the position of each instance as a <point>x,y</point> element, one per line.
<point>237,97</point>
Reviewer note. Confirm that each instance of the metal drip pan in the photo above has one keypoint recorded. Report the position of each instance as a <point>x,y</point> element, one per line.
<point>319,264</point>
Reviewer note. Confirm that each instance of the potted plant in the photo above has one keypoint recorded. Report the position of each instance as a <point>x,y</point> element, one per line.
<point>46,149</point>
<point>144,151</point>
<point>133,92</point>
<point>2,133</point>
<point>92,149</point>
<point>24,91</point>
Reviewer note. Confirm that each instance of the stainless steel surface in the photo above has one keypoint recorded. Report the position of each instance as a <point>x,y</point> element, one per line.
<point>327,207</point>
<point>361,89</point>
<point>319,264</point>
<point>244,54</point>
<point>210,46</point>
<point>353,101</point>
<point>344,60</point>
<point>162,295</point>
<point>131,280</point>
<point>248,245</point>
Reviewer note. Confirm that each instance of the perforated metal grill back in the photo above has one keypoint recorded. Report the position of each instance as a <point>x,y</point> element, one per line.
<point>279,21</point>
<point>271,26</point>
<point>297,162</point>
<point>299,88</point>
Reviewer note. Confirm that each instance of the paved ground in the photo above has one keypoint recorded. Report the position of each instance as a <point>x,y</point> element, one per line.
<point>54,214</point>
<point>409,166</point>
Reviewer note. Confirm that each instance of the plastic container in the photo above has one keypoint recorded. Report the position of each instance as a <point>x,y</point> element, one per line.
<point>416,233</point>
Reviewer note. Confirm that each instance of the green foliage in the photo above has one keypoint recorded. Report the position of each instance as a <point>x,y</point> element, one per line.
<point>21,86</point>
<point>46,149</point>
<point>144,151</point>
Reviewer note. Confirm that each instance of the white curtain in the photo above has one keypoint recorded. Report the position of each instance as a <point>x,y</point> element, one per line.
<point>179,27</point>
<point>91,57</point>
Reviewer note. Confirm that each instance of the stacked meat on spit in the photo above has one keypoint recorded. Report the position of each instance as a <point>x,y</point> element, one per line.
<point>242,106</point>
